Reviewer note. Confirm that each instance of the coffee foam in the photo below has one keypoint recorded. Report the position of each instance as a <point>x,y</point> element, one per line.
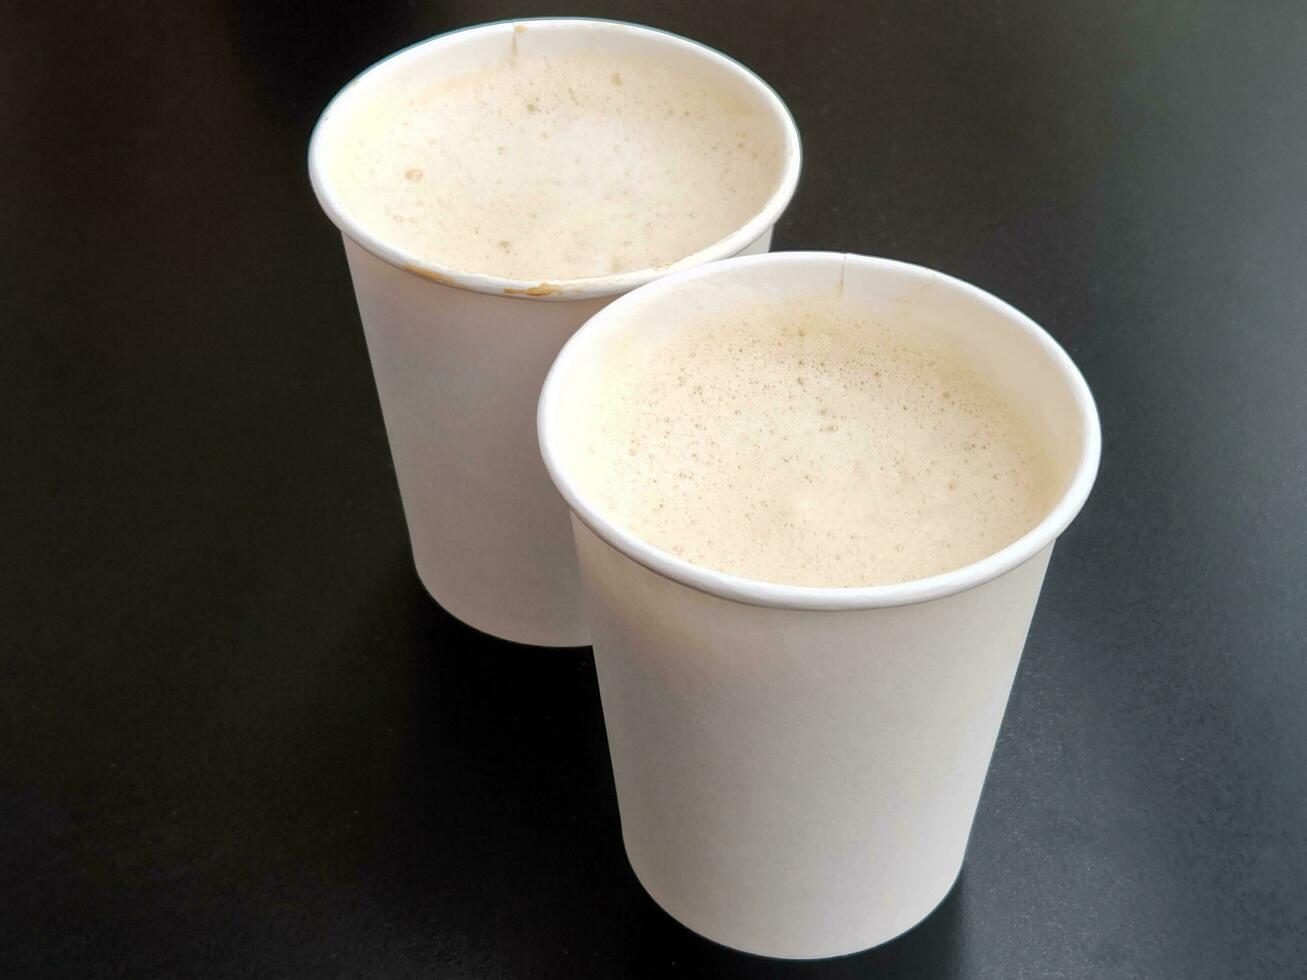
<point>566,166</point>
<point>805,441</point>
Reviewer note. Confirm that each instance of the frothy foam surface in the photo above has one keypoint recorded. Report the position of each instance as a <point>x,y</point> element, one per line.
<point>807,442</point>
<point>559,167</point>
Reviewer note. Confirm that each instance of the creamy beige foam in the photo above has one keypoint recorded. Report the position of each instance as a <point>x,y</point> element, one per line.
<point>559,167</point>
<point>806,442</point>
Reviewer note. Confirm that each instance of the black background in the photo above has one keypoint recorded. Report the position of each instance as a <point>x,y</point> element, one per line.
<point>239,740</point>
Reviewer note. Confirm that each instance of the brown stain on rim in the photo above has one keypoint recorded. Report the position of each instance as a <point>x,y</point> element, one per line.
<point>540,289</point>
<point>429,275</point>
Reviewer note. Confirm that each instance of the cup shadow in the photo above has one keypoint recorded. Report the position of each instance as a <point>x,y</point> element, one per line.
<point>498,829</point>
<point>932,949</point>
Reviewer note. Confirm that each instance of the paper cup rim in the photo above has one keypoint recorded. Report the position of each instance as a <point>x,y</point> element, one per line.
<point>588,287</point>
<point>801,597</point>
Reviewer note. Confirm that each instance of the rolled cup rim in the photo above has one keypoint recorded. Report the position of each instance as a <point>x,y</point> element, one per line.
<point>587,287</point>
<point>755,592</point>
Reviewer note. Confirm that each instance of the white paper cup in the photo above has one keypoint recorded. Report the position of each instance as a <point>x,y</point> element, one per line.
<point>459,357</point>
<point>798,768</point>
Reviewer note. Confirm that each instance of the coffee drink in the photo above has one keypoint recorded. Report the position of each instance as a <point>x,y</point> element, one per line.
<point>805,441</point>
<point>580,164</point>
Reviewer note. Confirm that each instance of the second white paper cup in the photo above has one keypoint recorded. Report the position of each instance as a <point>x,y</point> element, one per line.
<point>459,357</point>
<point>798,768</point>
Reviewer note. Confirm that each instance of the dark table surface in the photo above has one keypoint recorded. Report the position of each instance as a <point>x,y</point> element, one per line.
<point>238,739</point>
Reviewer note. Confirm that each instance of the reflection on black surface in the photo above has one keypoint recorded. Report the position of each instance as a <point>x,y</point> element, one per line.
<point>299,54</point>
